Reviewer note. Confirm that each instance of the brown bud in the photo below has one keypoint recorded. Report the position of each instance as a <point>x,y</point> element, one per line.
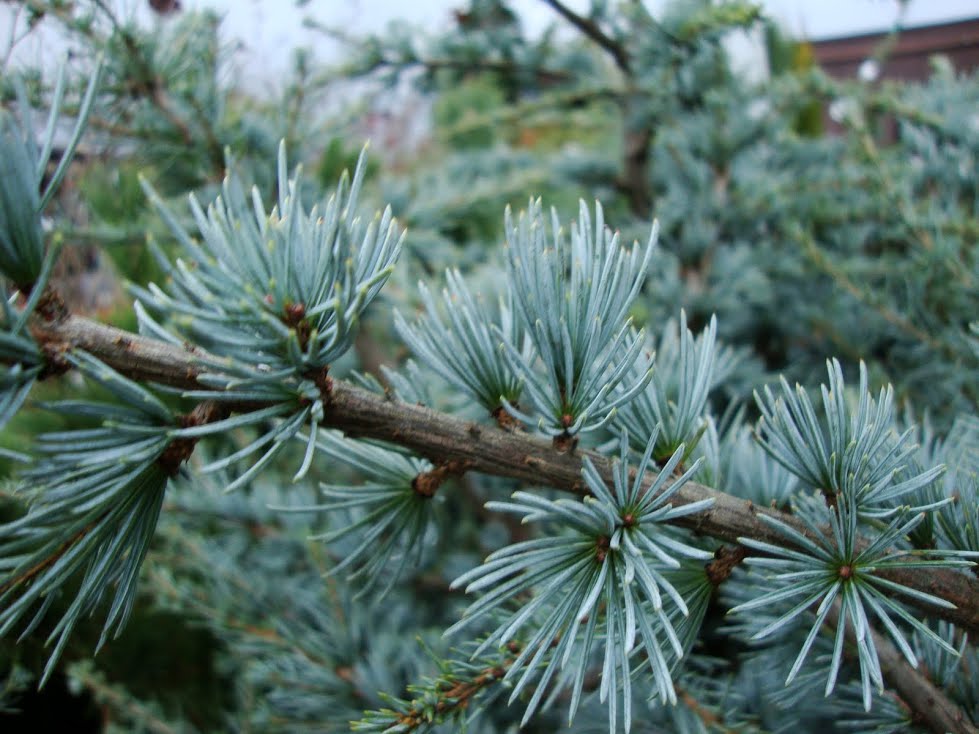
<point>165,7</point>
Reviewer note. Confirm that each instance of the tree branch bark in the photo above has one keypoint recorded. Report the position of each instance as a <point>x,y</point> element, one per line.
<point>635,174</point>
<point>928,704</point>
<point>487,449</point>
<point>637,141</point>
<point>591,29</point>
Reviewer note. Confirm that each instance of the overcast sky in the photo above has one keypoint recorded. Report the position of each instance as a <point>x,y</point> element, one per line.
<point>273,24</point>
<point>269,29</point>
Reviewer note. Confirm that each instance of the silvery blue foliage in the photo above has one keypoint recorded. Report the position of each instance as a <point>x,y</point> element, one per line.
<point>24,193</point>
<point>23,360</point>
<point>673,402</point>
<point>97,489</point>
<point>840,574</point>
<point>279,291</point>
<point>459,342</point>
<point>957,522</point>
<point>573,298</point>
<point>231,583</point>
<point>273,298</point>
<point>25,258</point>
<point>602,572</point>
<point>387,516</point>
<point>854,451</point>
<point>752,473</point>
<point>599,599</point>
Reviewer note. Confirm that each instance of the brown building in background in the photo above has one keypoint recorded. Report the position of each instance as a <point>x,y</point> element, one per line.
<point>958,40</point>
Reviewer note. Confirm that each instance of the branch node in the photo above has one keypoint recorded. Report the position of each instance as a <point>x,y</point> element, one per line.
<point>504,420</point>
<point>51,307</point>
<point>180,449</point>
<point>725,561</point>
<point>565,443</point>
<point>323,382</point>
<point>55,363</point>
<point>427,483</point>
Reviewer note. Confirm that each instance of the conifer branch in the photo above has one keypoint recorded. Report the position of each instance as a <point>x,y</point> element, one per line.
<point>591,29</point>
<point>637,142</point>
<point>153,87</point>
<point>469,66</point>
<point>483,448</point>
<point>447,698</point>
<point>928,705</point>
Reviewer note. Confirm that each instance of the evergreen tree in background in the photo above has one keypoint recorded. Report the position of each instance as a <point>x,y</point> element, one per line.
<point>701,457</point>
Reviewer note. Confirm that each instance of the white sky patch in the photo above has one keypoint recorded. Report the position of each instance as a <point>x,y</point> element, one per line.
<point>269,30</point>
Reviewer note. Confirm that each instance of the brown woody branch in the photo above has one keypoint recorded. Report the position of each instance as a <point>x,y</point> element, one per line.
<point>592,30</point>
<point>636,142</point>
<point>484,448</point>
<point>929,705</point>
<point>427,483</point>
<point>725,561</point>
<point>930,708</point>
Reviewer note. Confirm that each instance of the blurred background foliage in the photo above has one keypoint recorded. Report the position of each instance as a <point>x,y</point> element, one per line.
<point>813,216</point>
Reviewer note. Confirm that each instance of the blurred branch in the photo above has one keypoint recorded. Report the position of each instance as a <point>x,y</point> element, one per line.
<point>591,29</point>
<point>153,87</point>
